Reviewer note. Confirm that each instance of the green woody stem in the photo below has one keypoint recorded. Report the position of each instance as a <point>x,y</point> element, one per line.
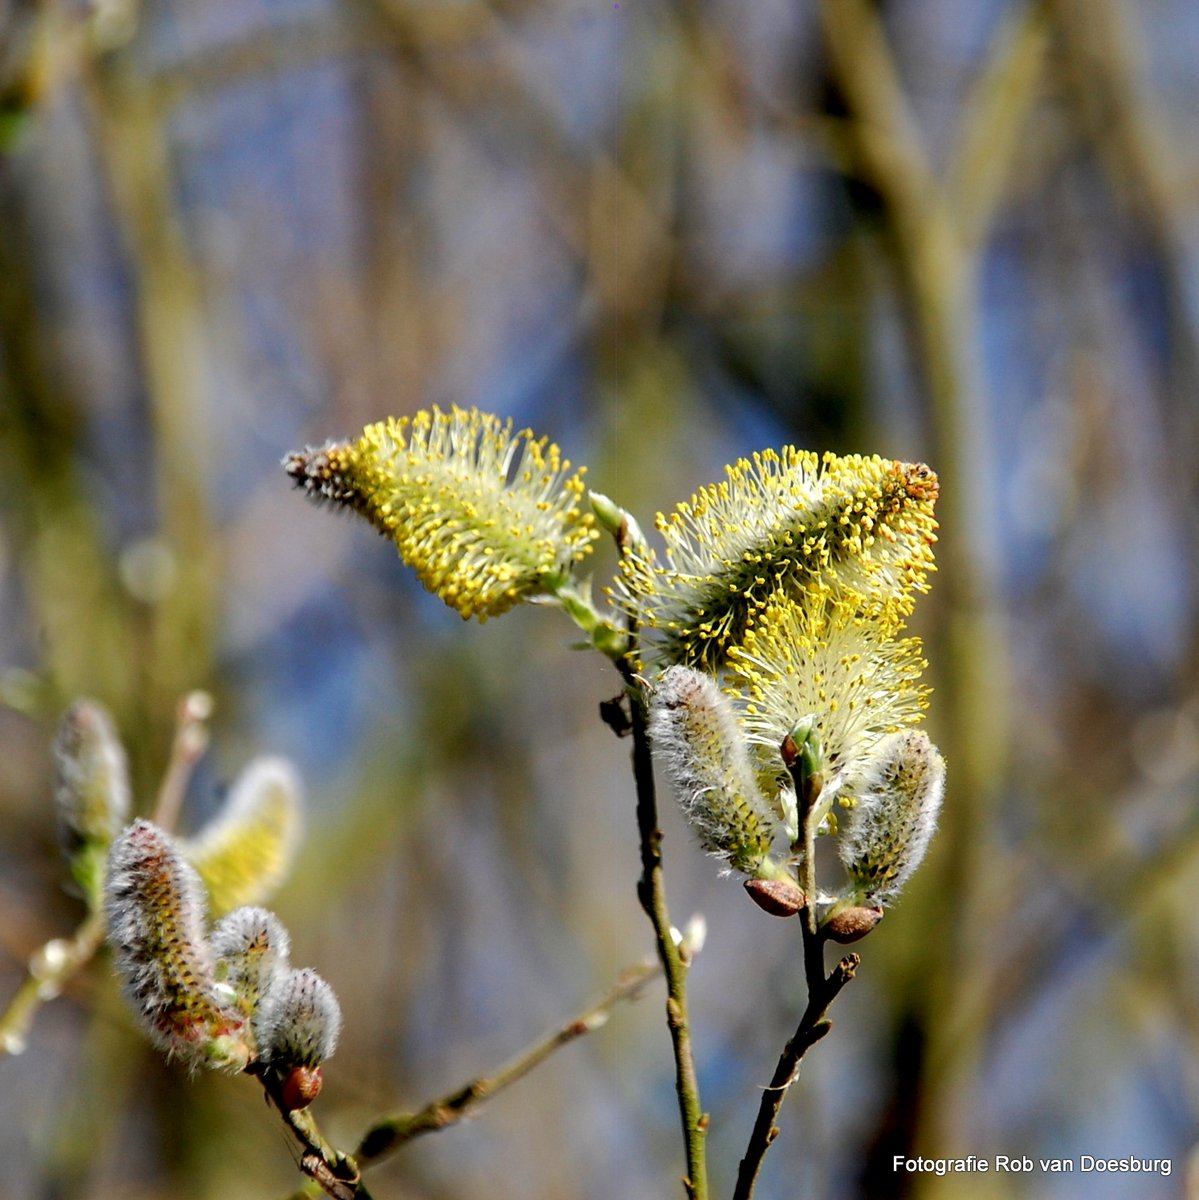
<point>334,1173</point>
<point>651,890</point>
<point>812,1027</point>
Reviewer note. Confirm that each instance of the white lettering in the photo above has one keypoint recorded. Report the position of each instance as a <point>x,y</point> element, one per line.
<point>1019,1164</point>
<point>1004,1162</point>
<point>1125,1166</point>
<point>940,1166</point>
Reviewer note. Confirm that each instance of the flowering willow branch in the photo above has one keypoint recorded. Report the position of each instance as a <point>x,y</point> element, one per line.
<point>778,687</point>
<point>241,856</point>
<point>225,998</point>
<point>787,692</point>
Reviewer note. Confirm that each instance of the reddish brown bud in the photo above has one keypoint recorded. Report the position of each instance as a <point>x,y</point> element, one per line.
<point>300,1087</point>
<point>775,896</point>
<point>789,749</point>
<point>850,924</point>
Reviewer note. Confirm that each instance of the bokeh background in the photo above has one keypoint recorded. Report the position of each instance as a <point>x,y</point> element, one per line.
<point>665,233</point>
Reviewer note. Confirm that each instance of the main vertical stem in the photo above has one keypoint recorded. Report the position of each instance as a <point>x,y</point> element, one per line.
<point>651,891</point>
<point>807,775</point>
<point>813,1026</point>
<point>813,946</point>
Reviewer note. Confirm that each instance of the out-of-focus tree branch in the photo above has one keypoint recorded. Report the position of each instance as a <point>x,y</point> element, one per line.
<point>995,113</point>
<point>936,229</point>
<point>1103,54</point>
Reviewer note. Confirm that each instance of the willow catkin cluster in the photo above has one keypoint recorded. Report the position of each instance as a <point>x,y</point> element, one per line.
<point>228,999</point>
<point>777,620</point>
<point>773,616</point>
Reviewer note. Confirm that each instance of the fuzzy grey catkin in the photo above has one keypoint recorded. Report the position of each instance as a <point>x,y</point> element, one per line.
<point>700,747</point>
<point>298,1022</point>
<point>250,947</point>
<point>897,795</point>
<point>154,904</point>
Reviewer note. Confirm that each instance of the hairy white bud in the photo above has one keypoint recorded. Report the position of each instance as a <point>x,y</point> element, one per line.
<point>298,1021</point>
<point>897,794</point>
<point>699,745</point>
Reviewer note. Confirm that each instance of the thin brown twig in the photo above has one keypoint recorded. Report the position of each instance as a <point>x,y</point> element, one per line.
<point>389,1134</point>
<point>813,945</point>
<point>386,1136</point>
<point>812,1027</point>
<point>822,991</point>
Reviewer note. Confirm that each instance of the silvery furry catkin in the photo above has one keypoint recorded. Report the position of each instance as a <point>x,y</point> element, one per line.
<point>154,905</point>
<point>699,745</point>
<point>897,795</point>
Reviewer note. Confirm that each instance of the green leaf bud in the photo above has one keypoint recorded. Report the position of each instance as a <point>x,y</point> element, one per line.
<point>621,524</point>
